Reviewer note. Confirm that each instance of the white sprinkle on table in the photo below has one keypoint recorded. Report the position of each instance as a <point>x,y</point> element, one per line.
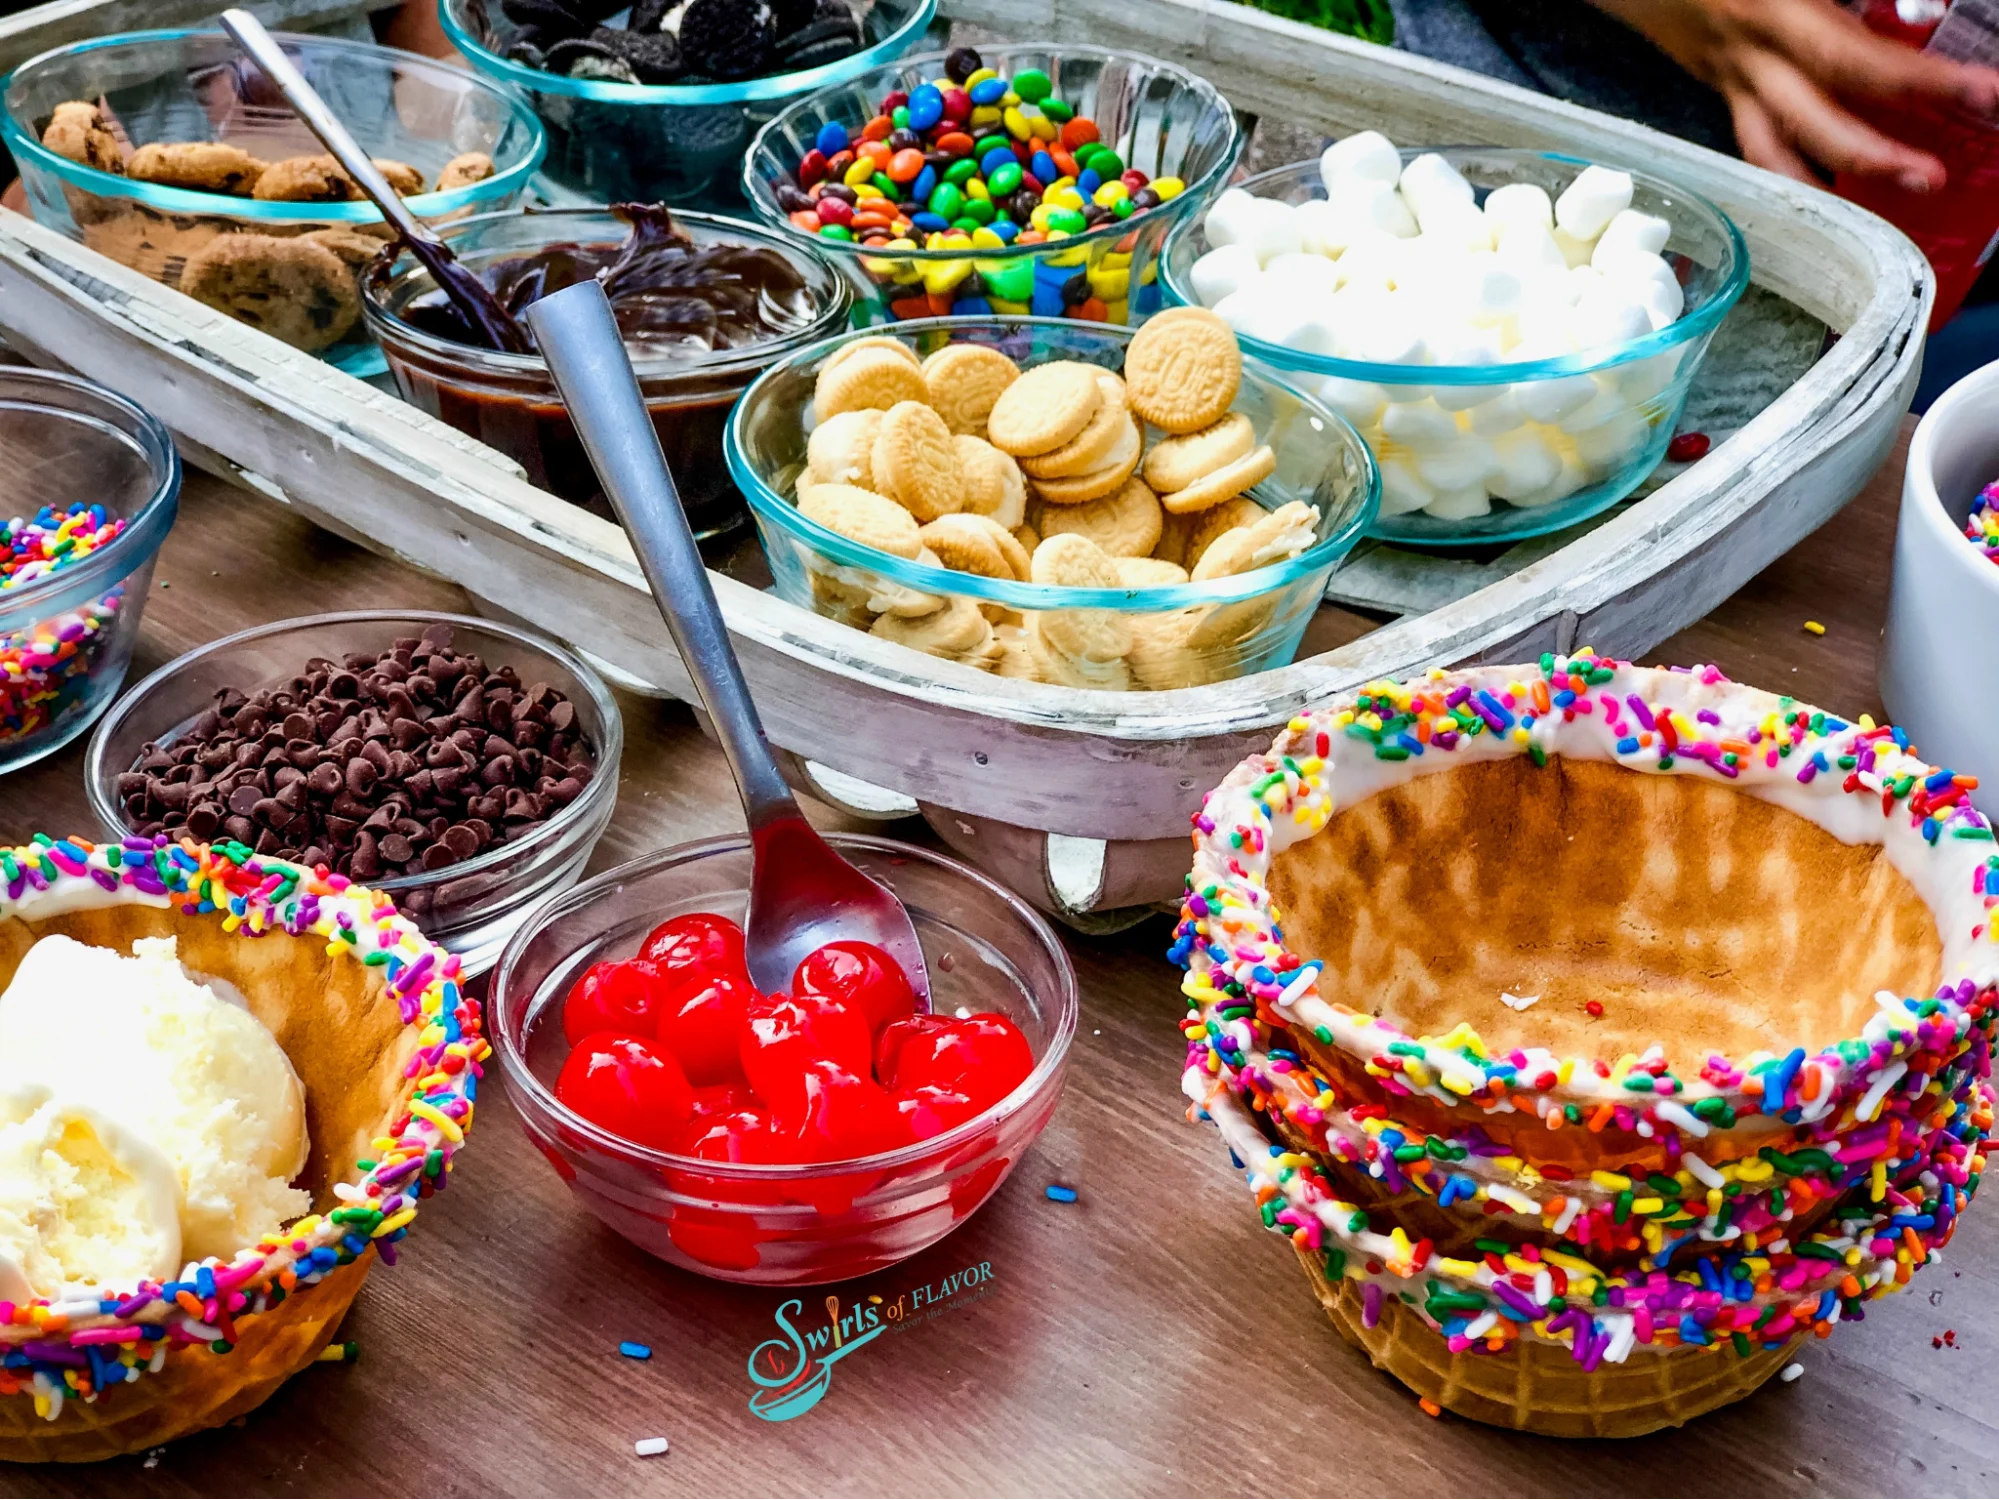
<point>1517,1002</point>
<point>649,1447</point>
<point>1790,1372</point>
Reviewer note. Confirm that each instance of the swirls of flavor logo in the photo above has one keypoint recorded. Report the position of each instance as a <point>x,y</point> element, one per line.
<point>793,1370</point>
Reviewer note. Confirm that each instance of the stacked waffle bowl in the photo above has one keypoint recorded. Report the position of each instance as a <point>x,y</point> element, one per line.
<point>1622,1028</point>
<point>387,1050</point>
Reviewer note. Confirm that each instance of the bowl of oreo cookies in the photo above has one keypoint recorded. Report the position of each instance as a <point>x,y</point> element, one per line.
<point>656,101</point>
<point>169,152</point>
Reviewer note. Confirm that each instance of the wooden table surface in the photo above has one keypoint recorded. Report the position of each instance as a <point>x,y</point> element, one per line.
<point>1147,1338</point>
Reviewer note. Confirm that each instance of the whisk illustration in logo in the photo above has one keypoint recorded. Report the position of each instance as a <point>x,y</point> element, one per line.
<point>793,1371</point>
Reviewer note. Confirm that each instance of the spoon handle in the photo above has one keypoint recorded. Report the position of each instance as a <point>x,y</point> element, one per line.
<point>263,49</point>
<point>578,336</point>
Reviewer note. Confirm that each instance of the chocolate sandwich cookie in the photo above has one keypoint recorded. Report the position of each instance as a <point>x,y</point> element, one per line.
<point>727,39</point>
<point>587,57</point>
<point>552,19</point>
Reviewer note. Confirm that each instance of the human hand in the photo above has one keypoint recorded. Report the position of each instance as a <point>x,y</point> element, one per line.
<point>1785,65</point>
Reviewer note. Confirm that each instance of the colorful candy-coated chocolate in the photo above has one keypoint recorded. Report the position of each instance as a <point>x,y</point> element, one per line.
<point>955,156</point>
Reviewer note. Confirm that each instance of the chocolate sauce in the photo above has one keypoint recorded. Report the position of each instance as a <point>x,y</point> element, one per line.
<point>668,294</point>
<point>678,304</point>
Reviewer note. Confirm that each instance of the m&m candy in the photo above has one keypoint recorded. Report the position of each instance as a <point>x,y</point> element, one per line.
<point>979,163</point>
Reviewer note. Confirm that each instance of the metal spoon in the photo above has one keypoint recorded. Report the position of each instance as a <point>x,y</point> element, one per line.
<point>802,893</point>
<point>471,295</point>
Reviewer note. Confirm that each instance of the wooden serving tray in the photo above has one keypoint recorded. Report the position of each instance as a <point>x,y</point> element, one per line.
<point>1079,800</point>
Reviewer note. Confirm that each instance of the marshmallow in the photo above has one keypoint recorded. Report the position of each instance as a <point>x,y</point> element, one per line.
<point>1606,316</point>
<point>1587,205</point>
<point>1529,250</point>
<point>1462,462</point>
<point>1575,252</point>
<point>1630,231</point>
<point>1401,491</point>
<point>1527,464</point>
<point>1229,218</point>
<point>1271,229</point>
<point>1612,443</point>
<point>1374,208</point>
<point>1419,425</point>
<point>1366,156</point>
<point>1650,281</point>
<point>1302,273</point>
<point>1518,205</point>
<point>1491,289</point>
<point>1384,335</point>
<point>1643,379</point>
<point>1566,483</point>
<point>1429,182</point>
<point>1552,400</point>
<point>1359,401</point>
<point>1498,414</point>
<point>1456,223</point>
<point>1228,268</point>
<point>1371,262</point>
<point>1460,504</point>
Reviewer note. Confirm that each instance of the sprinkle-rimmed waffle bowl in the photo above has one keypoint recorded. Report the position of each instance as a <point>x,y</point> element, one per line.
<point>1595,1033</point>
<point>387,1049</point>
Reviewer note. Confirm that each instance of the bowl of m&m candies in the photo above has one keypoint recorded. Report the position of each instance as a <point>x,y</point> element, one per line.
<point>818,1133</point>
<point>1008,180</point>
<point>92,487</point>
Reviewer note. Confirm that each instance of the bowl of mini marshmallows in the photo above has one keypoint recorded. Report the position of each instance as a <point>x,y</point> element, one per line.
<point>1513,332</point>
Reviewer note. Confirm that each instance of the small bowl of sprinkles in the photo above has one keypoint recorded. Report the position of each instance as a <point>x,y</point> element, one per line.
<point>92,486</point>
<point>1597,1035</point>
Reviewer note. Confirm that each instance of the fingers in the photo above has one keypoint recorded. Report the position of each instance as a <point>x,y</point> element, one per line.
<point>1761,143</point>
<point>1809,121</point>
<point>1840,54</point>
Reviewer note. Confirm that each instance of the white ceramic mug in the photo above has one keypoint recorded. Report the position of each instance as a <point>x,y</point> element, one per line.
<point>1943,613</point>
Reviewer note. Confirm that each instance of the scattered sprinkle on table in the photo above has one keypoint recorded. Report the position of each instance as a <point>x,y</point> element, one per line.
<point>632,1350</point>
<point>1814,627</point>
<point>1060,1194</point>
<point>340,1354</point>
<point>1946,1339</point>
<point>1517,1002</point>
<point>1790,1372</point>
<point>1593,1007</point>
<point>649,1447</point>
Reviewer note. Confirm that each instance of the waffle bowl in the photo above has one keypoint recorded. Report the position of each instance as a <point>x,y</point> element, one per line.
<point>387,1051</point>
<point>1521,980</point>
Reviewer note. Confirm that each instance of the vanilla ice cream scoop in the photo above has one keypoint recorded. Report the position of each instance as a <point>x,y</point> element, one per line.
<point>84,1202</point>
<point>161,1055</point>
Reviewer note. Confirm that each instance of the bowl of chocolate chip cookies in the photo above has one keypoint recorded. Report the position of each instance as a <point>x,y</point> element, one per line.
<point>1071,503</point>
<point>170,153</point>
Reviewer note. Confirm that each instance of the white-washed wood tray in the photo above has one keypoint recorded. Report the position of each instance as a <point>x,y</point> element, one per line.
<point>1078,800</point>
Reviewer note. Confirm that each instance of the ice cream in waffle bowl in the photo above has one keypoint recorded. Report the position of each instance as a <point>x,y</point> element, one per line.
<point>1595,1033</point>
<point>226,1083</point>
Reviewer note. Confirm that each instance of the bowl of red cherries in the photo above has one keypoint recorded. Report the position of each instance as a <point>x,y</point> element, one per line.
<point>822,1132</point>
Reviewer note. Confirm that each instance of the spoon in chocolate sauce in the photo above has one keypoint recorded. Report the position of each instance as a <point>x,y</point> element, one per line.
<point>803,894</point>
<point>492,323</point>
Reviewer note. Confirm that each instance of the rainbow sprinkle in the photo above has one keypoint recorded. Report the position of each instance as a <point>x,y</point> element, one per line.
<point>1876,1141</point>
<point>1983,525</point>
<point>46,667</point>
<point>77,1349</point>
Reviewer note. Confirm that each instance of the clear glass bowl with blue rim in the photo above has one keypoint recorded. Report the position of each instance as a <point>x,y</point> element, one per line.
<point>1161,119</point>
<point>469,907</point>
<point>66,637</point>
<point>1184,635</point>
<point>1614,408</point>
<point>176,86</point>
<point>663,143</point>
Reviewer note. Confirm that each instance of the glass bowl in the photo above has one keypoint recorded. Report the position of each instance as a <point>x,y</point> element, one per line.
<point>186,85</point>
<point>509,402</point>
<point>1621,402</point>
<point>786,1225</point>
<point>1184,634</point>
<point>469,908</point>
<point>669,143</point>
<point>66,638</point>
<point>1161,119</point>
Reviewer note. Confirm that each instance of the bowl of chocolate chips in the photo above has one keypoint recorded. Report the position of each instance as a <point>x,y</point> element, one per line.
<point>656,101</point>
<point>463,767</point>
